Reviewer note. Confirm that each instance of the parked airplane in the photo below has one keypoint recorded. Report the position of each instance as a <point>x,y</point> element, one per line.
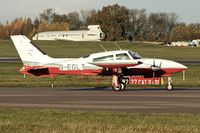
<point>93,34</point>
<point>125,66</point>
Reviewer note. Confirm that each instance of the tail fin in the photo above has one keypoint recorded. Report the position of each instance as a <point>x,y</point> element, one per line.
<point>28,52</point>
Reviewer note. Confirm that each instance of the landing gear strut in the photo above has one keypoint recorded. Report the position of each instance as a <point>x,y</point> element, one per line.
<point>169,84</point>
<point>117,84</point>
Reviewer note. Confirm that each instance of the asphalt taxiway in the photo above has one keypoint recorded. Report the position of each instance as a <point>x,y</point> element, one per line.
<point>183,100</point>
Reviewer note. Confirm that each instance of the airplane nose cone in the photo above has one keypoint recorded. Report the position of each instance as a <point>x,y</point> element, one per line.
<point>172,66</point>
<point>181,66</point>
<point>184,67</point>
<point>177,67</point>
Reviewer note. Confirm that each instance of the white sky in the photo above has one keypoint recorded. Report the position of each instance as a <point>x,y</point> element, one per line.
<point>188,10</point>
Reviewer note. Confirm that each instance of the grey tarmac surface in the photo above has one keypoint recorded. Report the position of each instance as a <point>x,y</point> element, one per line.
<point>182,100</point>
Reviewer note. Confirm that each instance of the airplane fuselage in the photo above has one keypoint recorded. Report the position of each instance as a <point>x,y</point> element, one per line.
<point>88,66</point>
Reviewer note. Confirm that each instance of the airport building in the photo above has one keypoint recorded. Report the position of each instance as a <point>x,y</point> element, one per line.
<point>93,34</point>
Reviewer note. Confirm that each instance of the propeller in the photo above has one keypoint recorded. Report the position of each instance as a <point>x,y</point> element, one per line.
<point>155,67</point>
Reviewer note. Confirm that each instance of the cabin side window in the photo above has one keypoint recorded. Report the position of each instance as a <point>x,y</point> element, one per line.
<point>104,58</point>
<point>123,56</point>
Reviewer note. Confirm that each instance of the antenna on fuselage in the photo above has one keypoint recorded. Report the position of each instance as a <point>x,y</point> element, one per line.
<point>117,45</point>
<point>102,47</point>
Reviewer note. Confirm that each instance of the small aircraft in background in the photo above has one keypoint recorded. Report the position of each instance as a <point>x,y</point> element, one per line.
<point>126,67</point>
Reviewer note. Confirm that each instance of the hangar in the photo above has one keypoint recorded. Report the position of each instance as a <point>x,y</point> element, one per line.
<point>93,34</point>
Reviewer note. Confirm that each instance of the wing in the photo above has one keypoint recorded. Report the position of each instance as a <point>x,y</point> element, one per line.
<point>116,64</point>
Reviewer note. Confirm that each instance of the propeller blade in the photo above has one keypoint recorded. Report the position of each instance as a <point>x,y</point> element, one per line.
<point>155,67</point>
<point>160,64</point>
<point>154,64</point>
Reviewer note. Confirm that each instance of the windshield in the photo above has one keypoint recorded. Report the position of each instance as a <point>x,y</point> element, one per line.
<point>122,56</point>
<point>135,55</point>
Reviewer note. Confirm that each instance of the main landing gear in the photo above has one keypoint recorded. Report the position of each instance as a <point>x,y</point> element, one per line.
<point>169,84</point>
<point>118,84</point>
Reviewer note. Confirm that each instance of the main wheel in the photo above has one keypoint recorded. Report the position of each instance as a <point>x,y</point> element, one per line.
<point>121,87</point>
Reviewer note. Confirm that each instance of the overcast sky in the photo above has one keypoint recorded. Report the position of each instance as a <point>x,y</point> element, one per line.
<point>188,10</point>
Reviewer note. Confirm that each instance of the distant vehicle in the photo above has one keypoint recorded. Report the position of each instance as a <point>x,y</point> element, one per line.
<point>126,67</point>
<point>93,34</point>
<point>195,43</point>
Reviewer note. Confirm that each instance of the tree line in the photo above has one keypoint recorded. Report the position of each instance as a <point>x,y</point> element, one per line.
<point>117,22</point>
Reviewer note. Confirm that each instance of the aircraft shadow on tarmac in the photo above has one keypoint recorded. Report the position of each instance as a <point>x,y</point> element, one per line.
<point>103,88</point>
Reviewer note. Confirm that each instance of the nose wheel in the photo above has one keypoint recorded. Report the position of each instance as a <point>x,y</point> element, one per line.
<point>169,84</point>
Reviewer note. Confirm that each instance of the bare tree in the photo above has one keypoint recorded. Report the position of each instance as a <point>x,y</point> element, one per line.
<point>137,23</point>
<point>74,20</point>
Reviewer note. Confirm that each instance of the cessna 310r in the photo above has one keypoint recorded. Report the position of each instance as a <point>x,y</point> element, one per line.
<point>125,66</point>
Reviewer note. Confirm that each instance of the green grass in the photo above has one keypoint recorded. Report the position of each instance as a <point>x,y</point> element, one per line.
<point>7,49</point>
<point>10,77</point>
<point>77,49</point>
<point>192,77</point>
<point>56,121</point>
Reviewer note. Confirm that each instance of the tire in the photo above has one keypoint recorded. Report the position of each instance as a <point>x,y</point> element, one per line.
<point>116,88</point>
<point>170,87</point>
<point>122,87</point>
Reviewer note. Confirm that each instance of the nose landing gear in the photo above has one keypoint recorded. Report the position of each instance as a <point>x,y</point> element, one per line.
<point>169,84</point>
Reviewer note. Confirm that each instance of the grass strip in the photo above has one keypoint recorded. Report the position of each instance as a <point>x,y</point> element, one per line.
<point>56,121</point>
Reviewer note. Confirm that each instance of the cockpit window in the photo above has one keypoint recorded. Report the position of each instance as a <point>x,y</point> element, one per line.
<point>123,56</point>
<point>134,55</point>
<point>104,58</point>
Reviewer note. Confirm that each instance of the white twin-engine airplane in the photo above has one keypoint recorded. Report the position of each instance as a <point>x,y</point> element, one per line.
<point>125,66</point>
